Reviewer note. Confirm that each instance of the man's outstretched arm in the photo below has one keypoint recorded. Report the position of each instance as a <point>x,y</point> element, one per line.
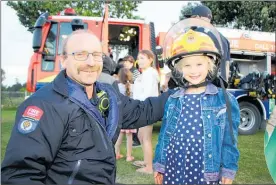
<point>138,114</point>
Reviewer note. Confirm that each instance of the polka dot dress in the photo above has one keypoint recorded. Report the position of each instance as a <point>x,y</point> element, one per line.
<point>184,158</point>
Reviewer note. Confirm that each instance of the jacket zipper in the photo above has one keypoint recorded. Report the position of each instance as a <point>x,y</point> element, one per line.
<point>75,171</point>
<point>102,136</point>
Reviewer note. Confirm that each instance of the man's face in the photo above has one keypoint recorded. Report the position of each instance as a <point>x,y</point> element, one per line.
<point>84,70</point>
<point>128,64</point>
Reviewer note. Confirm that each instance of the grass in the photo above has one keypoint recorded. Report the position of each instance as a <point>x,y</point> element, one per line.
<point>252,165</point>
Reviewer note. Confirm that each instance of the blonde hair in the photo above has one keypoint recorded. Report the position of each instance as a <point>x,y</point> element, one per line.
<point>211,63</point>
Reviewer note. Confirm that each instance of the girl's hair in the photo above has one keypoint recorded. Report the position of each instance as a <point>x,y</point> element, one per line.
<point>149,54</point>
<point>211,64</point>
<point>129,58</point>
<point>125,77</point>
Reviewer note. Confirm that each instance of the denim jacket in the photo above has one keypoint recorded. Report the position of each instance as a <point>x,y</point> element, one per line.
<point>220,154</point>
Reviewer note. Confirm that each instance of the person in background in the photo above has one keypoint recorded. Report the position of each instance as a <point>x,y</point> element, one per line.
<point>129,64</point>
<point>125,87</point>
<point>204,13</point>
<point>108,69</point>
<point>146,85</point>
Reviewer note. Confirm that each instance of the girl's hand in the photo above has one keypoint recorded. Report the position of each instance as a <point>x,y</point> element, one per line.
<point>158,178</point>
<point>225,180</point>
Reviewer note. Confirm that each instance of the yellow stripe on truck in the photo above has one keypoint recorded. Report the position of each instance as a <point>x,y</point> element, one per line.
<point>48,79</point>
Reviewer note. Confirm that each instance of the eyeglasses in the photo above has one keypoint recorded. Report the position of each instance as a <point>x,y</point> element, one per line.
<point>83,55</point>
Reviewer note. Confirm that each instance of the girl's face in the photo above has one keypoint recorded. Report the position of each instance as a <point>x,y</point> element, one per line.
<point>128,64</point>
<point>143,61</point>
<point>195,68</point>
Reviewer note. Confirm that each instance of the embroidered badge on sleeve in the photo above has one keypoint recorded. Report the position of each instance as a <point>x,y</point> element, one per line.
<point>30,119</point>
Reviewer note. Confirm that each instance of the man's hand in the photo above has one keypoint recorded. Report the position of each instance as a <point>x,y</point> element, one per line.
<point>158,178</point>
<point>225,180</point>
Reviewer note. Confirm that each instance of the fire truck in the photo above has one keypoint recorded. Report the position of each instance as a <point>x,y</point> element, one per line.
<point>49,32</point>
<point>252,75</point>
<point>249,51</point>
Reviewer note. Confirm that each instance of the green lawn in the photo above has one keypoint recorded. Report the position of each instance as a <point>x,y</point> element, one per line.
<point>252,166</point>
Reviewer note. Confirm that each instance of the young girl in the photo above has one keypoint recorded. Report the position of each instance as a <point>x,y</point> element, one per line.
<point>146,85</point>
<point>125,87</point>
<point>195,143</point>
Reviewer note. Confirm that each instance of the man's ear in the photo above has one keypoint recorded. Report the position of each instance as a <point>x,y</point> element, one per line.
<point>63,61</point>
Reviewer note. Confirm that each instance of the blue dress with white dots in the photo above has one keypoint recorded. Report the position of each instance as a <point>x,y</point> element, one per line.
<point>184,158</point>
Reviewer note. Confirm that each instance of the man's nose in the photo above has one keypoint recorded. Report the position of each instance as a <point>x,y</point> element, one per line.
<point>90,60</point>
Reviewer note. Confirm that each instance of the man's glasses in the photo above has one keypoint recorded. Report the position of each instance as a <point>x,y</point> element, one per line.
<point>83,55</point>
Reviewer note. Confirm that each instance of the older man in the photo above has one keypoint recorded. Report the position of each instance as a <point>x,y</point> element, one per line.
<point>64,133</point>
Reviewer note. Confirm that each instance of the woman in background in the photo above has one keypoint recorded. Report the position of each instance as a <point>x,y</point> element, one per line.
<point>146,85</point>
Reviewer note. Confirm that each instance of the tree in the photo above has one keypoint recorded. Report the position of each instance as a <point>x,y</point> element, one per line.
<point>3,77</point>
<point>252,15</point>
<point>187,9</point>
<point>29,11</point>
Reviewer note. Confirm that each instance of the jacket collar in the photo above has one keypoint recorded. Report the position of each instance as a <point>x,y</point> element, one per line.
<point>211,89</point>
<point>60,83</point>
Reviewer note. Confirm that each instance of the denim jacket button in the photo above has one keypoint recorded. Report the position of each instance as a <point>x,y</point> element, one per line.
<point>204,98</point>
<point>209,135</point>
<point>210,156</point>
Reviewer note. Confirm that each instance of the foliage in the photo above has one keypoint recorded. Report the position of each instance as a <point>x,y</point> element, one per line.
<point>187,9</point>
<point>29,11</point>
<point>252,15</point>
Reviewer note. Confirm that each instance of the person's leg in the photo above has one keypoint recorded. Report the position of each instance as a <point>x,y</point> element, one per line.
<point>129,147</point>
<point>118,144</point>
<point>135,139</point>
<point>145,136</point>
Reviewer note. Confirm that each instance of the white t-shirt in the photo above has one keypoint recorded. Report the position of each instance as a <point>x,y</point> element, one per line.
<point>122,89</point>
<point>146,85</point>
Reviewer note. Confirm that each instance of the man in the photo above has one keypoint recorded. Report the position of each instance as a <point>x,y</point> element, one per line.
<point>204,13</point>
<point>63,134</point>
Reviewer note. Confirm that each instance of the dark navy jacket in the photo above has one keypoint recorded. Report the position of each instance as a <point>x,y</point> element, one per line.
<point>58,141</point>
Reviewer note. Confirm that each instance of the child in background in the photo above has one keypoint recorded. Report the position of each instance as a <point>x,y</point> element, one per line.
<point>125,87</point>
<point>195,143</point>
<point>146,85</point>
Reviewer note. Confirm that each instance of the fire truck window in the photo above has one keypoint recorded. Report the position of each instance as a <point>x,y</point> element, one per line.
<point>49,49</point>
<point>65,30</point>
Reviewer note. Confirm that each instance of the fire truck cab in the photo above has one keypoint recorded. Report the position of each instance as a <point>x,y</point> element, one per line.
<point>125,36</point>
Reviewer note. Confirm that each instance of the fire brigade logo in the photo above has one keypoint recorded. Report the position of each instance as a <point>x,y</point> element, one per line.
<point>26,126</point>
<point>33,112</point>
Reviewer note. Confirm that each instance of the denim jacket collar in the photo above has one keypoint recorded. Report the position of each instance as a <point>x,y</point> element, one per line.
<point>210,89</point>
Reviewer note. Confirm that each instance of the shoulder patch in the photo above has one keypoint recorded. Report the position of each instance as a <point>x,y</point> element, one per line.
<point>33,112</point>
<point>26,126</point>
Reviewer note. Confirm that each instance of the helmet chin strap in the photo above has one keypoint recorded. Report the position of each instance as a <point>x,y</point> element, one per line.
<point>198,85</point>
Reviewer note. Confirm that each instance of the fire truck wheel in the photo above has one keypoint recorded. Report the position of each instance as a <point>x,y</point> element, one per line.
<point>250,119</point>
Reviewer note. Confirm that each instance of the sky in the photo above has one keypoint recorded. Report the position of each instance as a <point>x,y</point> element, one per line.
<point>16,41</point>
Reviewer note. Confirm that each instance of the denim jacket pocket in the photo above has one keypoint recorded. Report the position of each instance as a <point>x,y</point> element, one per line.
<point>172,118</point>
<point>220,115</point>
